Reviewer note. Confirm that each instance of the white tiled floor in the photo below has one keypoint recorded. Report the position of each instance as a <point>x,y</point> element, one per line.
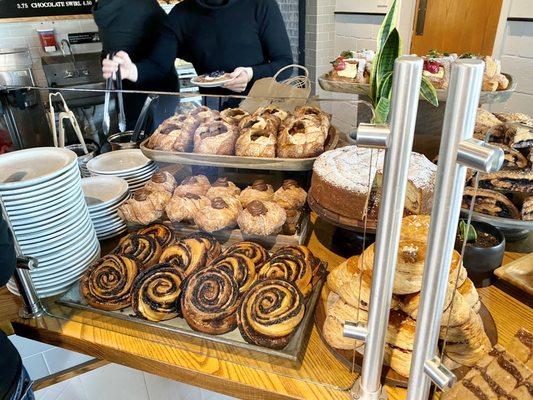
<point>118,382</point>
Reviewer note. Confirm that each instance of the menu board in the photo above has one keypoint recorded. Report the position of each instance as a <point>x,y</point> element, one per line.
<point>43,8</point>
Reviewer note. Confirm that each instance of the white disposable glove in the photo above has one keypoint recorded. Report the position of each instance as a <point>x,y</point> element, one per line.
<point>128,70</point>
<point>241,76</point>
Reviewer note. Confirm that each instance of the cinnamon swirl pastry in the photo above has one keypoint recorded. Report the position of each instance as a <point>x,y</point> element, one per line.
<point>204,115</point>
<point>290,195</point>
<point>161,181</point>
<point>162,233</point>
<point>107,283</point>
<point>220,214</point>
<point>186,256</point>
<point>183,208</point>
<point>299,251</point>
<point>252,250</point>
<point>144,249</point>
<point>518,181</point>
<point>210,301</point>
<point>216,138</point>
<point>144,207</point>
<point>155,295</point>
<point>270,313</point>
<point>213,246</point>
<point>513,159</point>
<point>256,143</point>
<point>490,202</point>
<point>259,190</point>
<point>233,115</point>
<point>519,136</point>
<point>261,218</point>
<point>223,188</point>
<point>241,267</point>
<point>198,184</point>
<point>291,269</point>
<point>300,138</point>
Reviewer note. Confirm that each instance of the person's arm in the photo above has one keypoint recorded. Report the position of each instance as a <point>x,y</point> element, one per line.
<point>274,40</point>
<point>8,258</point>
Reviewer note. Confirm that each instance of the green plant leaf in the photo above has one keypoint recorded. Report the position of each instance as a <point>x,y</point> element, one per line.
<point>428,92</point>
<point>471,235</point>
<point>386,86</point>
<point>382,111</point>
<point>388,24</point>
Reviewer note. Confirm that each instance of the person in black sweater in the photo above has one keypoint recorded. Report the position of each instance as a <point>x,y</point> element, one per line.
<point>133,26</point>
<point>245,37</point>
<point>15,383</point>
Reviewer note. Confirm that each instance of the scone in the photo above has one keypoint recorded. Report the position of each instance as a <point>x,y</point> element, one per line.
<point>261,218</point>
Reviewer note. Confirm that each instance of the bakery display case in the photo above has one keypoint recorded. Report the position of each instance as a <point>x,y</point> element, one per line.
<point>224,256</point>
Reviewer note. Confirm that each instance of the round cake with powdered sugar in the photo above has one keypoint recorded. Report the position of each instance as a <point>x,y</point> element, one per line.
<point>344,178</point>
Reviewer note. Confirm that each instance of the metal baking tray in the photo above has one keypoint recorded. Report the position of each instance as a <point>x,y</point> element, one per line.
<point>215,160</point>
<point>499,222</point>
<point>231,342</point>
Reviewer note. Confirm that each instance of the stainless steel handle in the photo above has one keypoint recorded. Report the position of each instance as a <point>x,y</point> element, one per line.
<point>459,118</point>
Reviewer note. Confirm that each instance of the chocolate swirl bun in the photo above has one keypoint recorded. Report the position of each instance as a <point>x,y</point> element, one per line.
<point>302,252</point>
<point>270,313</point>
<point>144,249</point>
<point>210,301</point>
<point>252,250</point>
<point>291,269</point>
<point>162,233</point>
<point>241,267</point>
<point>187,257</point>
<point>213,246</point>
<point>156,291</point>
<point>259,190</point>
<point>108,281</point>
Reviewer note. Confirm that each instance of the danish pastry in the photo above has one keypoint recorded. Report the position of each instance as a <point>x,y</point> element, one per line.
<point>240,266</point>
<point>144,207</point>
<point>161,181</point>
<point>144,249</point>
<point>223,188</point>
<point>186,256</point>
<point>252,250</point>
<point>218,137</point>
<point>162,233</point>
<point>198,184</point>
<point>183,208</point>
<point>233,115</point>
<point>261,218</point>
<point>259,190</point>
<point>220,214</point>
<point>107,283</point>
<point>300,138</point>
<point>415,227</point>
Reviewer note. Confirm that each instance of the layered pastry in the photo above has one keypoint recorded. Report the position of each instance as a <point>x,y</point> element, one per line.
<point>493,79</point>
<point>210,301</point>
<point>211,244</point>
<point>220,214</point>
<point>261,218</point>
<point>270,313</point>
<point>490,202</point>
<point>144,207</point>
<point>487,123</point>
<point>162,233</point>
<point>233,115</point>
<point>353,66</point>
<point>223,188</point>
<point>527,209</point>
<point>302,252</point>
<point>155,295</point>
<point>256,143</point>
<point>204,115</point>
<point>255,123</point>
<point>290,268</point>
<point>315,115</point>
<point>144,249</point>
<point>516,181</point>
<point>300,138</point>
<point>174,134</point>
<point>513,159</point>
<point>271,111</point>
<point>183,208</point>
<point>520,118</point>
<point>519,136</point>
<point>198,184</point>
<point>185,256</point>
<point>340,181</point>
<point>437,68</point>
<point>161,181</point>
<point>415,227</point>
<point>215,138</point>
<point>259,190</point>
<point>240,266</point>
<point>252,250</point>
<point>107,283</point>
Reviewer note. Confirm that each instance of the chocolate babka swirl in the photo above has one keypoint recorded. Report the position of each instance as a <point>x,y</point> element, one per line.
<point>301,252</point>
<point>241,267</point>
<point>270,313</point>
<point>252,250</point>
<point>155,295</point>
<point>144,249</point>
<point>162,233</point>
<point>108,281</point>
<point>213,246</point>
<point>210,301</point>
<point>291,269</point>
<point>186,256</point>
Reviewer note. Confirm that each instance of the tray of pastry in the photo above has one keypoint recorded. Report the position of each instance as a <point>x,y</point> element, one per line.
<point>207,295</point>
<point>269,139</point>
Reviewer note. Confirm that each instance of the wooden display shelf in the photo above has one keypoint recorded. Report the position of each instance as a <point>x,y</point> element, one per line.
<point>321,375</point>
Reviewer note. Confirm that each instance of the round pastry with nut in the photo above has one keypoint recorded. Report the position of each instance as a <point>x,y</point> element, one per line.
<point>259,190</point>
<point>220,214</point>
<point>261,218</point>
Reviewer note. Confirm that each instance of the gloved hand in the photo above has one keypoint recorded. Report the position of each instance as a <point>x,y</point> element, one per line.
<point>241,76</point>
<point>128,70</point>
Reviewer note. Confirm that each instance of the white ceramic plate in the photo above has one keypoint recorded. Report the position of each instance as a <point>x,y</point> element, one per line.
<point>110,220</point>
<point>112,210</point>
<point>105,236</point>
<point>28,167</point>
<point>62,221</point>
<point>67,257</point>
<point>110,229</point>
<point>151,167</point>
<point>102,190</point>
<point>44,204</point>
<point>116,162</point>
<point>194,81</point>
<point>50,269</point>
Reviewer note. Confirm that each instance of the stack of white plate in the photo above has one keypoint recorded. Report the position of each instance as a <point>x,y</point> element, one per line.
<point>41,191</point>
<point>132,165</point>
<point>103,196</point>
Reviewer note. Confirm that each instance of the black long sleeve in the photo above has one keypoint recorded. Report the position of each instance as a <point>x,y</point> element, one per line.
<point>241,33</point>
<point>7,253</point>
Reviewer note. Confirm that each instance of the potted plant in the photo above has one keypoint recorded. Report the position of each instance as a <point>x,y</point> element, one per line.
<point>485,246</point>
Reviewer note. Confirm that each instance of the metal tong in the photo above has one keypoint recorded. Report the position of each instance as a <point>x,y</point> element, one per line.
<point>66,114</point>
<point>120,100</point>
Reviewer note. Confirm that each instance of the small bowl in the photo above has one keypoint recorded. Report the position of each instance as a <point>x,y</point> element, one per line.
<point>122,141</point>
<point>480,262</point>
